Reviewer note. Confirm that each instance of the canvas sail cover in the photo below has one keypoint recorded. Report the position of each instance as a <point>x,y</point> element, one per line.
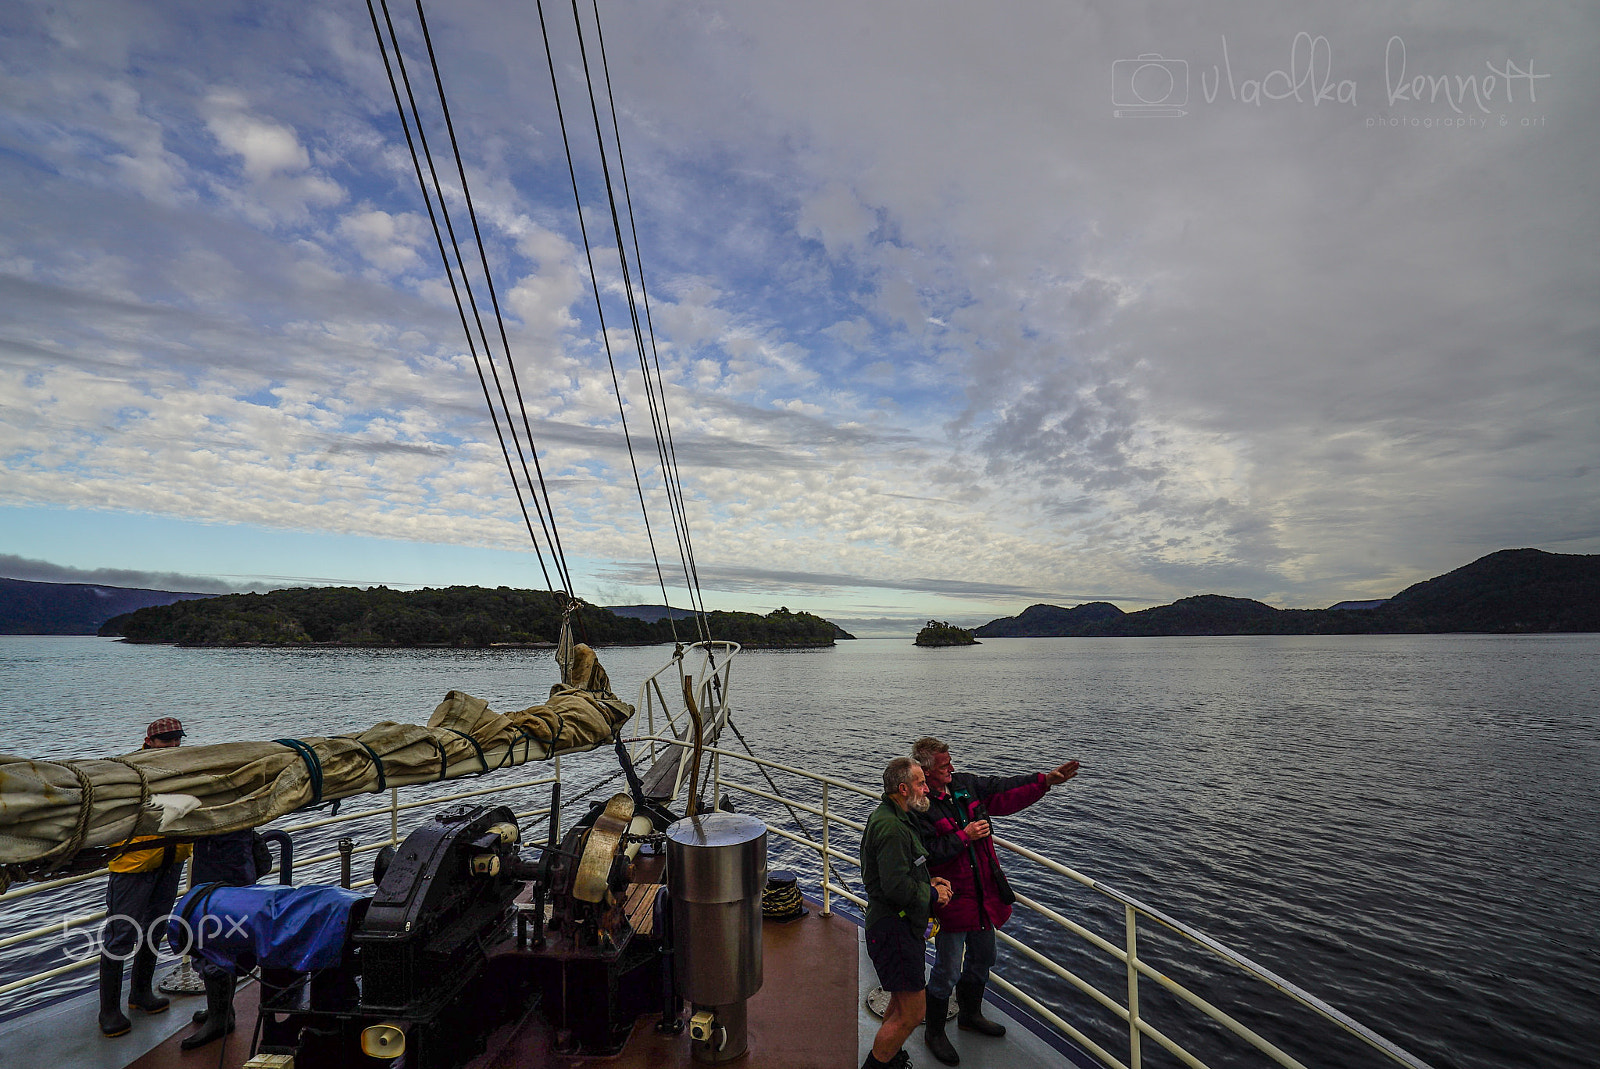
<point>51,810</point>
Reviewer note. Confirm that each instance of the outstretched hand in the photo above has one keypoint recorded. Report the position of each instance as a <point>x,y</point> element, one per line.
<point>1060,775</point>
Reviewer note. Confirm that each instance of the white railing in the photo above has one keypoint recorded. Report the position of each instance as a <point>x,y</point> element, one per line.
<point>1126,954</point>
<point>711,663</point>
<point>392,810</point>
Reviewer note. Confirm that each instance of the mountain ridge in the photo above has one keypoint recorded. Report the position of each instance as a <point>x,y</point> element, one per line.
<point>1510,591</point>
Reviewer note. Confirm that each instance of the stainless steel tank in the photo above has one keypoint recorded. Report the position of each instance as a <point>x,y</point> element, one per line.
<point>716,871</point>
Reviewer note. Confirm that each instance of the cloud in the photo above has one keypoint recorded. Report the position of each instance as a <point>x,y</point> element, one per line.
<point>923,308</point>
<point>38,571</point>
<point>777,581</point>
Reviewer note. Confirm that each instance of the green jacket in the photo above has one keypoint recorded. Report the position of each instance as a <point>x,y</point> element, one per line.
<point>894,867</point>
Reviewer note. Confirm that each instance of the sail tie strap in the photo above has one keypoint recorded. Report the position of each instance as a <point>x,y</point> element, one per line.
<point>313,765</point>
<point>377,762</point>
<point>482,758</point>
<point>528,739</point>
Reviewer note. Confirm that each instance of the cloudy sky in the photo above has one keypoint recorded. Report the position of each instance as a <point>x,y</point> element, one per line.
<point>960,306</point>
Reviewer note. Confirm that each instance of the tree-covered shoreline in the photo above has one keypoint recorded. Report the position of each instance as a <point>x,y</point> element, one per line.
<point>454,617</point>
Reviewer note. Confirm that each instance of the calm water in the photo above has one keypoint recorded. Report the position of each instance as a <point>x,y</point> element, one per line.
<point>1404,825</point>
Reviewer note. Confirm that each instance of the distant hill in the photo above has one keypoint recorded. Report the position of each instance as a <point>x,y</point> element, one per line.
<point>459,616</point>
<point>656,613</point>
<point>1511,591</point>
<point>649,613</point>
<point>1052,621</point>
<point>28,608</point>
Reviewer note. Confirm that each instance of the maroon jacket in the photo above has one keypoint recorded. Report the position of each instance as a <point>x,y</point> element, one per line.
<point>982,898</point>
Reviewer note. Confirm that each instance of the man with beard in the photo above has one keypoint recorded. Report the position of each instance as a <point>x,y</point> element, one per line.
<point>955,827</point>
<point>900,895</point>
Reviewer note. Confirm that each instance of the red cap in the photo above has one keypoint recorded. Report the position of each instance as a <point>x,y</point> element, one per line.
<point>166,725</point>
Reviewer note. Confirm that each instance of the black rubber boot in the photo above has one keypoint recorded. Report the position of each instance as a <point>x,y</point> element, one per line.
<point>141,995</point>
<point>933,1031</point>
<point>219,1012</point>
<point>969,997</point>
<point>113,1022</point>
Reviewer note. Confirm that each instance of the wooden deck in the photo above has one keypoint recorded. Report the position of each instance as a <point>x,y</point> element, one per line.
<point>809,1014</point>
<point>804,1017</point>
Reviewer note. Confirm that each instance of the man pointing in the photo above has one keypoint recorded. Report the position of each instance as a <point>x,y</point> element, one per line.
<point>960,844</point>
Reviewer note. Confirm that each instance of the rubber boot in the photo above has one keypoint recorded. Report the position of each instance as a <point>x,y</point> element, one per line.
<point>933,1031</point>
<point>219,1011</point>
<point>113,1022</point>
<point>141,995</point>
<point>969,997</point>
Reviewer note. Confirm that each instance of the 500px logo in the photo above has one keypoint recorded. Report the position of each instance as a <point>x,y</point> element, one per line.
<point>83,944</point>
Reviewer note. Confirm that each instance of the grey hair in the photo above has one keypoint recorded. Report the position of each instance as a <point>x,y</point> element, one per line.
<point>923,751</point>
<point>897,772</point>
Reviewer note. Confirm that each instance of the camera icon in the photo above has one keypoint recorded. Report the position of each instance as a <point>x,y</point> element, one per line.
<point>1149,85</point>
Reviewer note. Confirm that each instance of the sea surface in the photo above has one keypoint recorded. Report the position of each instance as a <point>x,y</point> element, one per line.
<point>1406,826</point>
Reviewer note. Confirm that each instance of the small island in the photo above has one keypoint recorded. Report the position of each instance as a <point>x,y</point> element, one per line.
<point>459,616</point>
<point>940,633</point>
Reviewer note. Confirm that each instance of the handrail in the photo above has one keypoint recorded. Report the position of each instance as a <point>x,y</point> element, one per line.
<point>828,855</point>
<point>1128,957</point>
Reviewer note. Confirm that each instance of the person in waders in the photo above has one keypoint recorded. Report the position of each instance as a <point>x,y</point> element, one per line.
<point>139,896</point>
<point>955,827</point>
<point>900,894</point>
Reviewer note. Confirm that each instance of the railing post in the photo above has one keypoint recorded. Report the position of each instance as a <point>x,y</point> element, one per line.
<point>394,816</point>
<point>827,870</point>
<point>716,779</point>
<point>1131,920</point>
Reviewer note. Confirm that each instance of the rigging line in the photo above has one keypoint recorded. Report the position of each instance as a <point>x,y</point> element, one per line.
<point>633,308</point>
<point>466,283</point>
<point>450,275</point>
<point>670,459</point>
<point>594,281</point>
<point>494,299</point>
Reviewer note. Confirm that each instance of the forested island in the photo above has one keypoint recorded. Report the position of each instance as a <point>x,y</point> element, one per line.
<point>1509,592</point>
<point>940,633</point>
<point>458,616</point>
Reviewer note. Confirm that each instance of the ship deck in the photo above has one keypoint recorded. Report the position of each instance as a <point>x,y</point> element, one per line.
<point>809,1014</point>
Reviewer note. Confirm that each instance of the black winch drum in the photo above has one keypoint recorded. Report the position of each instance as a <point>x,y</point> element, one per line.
<point>716,872</point>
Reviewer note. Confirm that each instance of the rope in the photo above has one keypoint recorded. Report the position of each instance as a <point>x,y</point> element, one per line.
<point>594,282</point>
<point>450,274</point>
<point>528,739</point>
<point>482,758</point>
<point>668,453</point>
<point>557,550</point>
<point>377,762</point>
<point>144,786</point>
<point>80,828</point>
<point>313,766</point>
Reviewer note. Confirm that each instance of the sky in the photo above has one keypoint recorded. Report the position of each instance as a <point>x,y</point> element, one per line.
<point>959,307</point>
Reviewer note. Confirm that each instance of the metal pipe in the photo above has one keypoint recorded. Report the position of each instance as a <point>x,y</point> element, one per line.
<point>54,926</point>
<point>813,810</point>
<point>1045,1012</point>
<point>827,873</point>
<point>1131,922</point>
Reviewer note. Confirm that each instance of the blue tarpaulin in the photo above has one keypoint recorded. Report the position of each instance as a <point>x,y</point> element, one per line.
<point>276,927</point>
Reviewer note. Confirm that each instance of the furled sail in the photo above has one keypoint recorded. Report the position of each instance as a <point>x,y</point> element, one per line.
<point>52,810</point>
